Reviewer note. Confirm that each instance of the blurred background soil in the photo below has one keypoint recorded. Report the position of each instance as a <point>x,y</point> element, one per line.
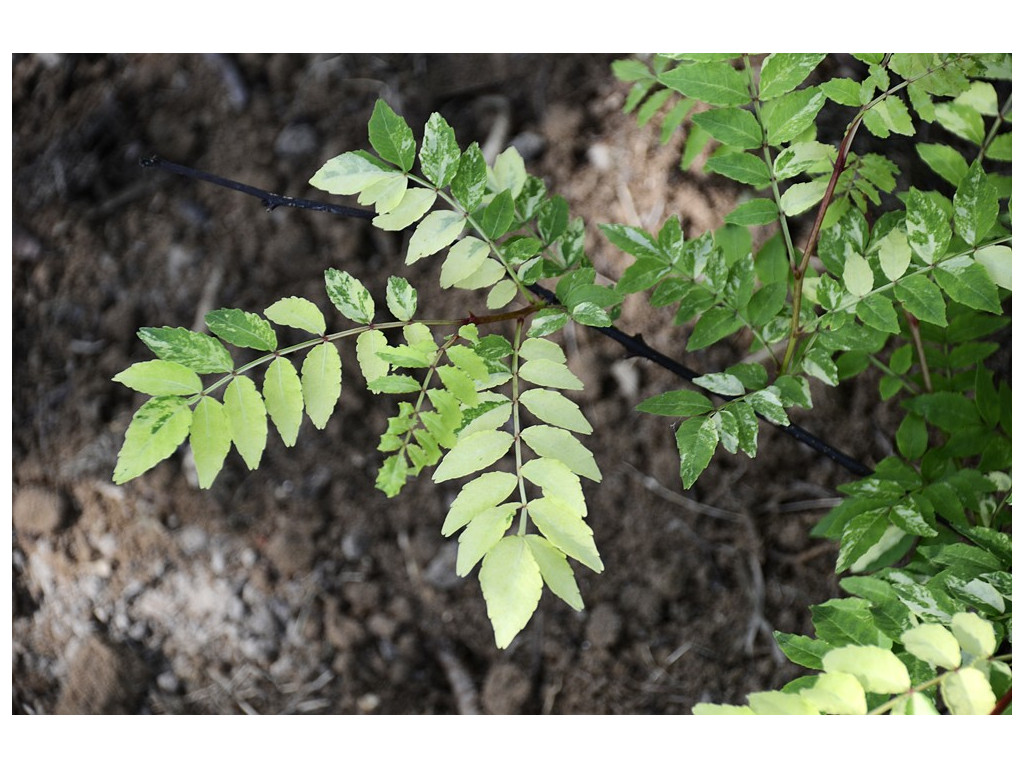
<point>299,587</point>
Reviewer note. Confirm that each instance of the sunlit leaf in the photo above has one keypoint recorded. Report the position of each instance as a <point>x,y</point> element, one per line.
<point>473,453</point>
<point>247,419</point>
<point>157,429</point>
<point>349,296</point>
<point>482,533</point>
<point>243,329</point>
<point>196,351</point>
<point>282,392</point>
<point>511,583</point>
<point>160,377</point>
<point>210,439</point>
<point>296,312</point>
<point>321,382</point>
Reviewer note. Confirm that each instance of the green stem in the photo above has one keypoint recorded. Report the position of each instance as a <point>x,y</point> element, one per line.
<point>915,333</point>
<point>525,516</point>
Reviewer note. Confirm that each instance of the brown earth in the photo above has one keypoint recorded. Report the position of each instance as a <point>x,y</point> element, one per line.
<point>299,587</point>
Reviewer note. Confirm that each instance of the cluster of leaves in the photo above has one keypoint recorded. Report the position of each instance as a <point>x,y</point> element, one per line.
<point>910,282</point>
<point>916,291</point>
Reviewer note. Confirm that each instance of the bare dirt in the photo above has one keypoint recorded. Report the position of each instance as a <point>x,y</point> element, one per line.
<point>299,587</point>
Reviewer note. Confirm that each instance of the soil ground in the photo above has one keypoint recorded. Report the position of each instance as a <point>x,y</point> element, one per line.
<point>299,588</point>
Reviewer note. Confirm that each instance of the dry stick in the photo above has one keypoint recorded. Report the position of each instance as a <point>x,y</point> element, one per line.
<point>634,345</point>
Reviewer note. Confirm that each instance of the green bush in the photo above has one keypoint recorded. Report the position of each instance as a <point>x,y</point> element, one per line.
<point>911,281</point>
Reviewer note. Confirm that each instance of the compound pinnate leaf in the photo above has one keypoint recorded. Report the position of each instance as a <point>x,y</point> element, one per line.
<point>484,531</point>
<point>837,693</point>
<point>437,230</point>
<point>282,392</point>
<point>879,670</point>
<point>564,528</point>
<point>511,583</point>
<point>555,570</point>
<point>247,419</point>
<point>349,296</point>
<point>933,644</point>
<point>548,373</point>
<point>391,136</point>
<point>243,329</point>
<point>368,344</point>
<point>414,204</point>
<point>782,72</point>
<point>401,298</point>
<point>555,409</point>
<point>349,174</point>
<point>196,351</point>
<point>485,492</point>
<point>210,439</point>
<point>463,260</point>
<point>160,377</point>
<point>714,82</point>
<point>555,443</point>
<point>439,152</point>
<point>296,312</point>
<point>473,453</point>
<point>157,429</point>
<point>968,692</point>
<point>321,382</point>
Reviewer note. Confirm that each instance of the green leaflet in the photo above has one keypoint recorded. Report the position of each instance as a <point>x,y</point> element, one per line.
<point>782,72</point>
<point>842,90</point>
<point>894,254</point>
<point>459,383</point>
<point>282,392</point>
<point>488,273</point>
<point>295,312</point>
<point>470,362</point>
<point>836,693</point>
<point>484,531</point>
<point>368,344</point>
<point>997,261</point>
<point>247,419</point>
<point>391,136</point>
<point>511,583</point>
<point>415,203</point>
<point>210,439</point>
<point>779,703</point>
<point>541,349</point>
<point>803,196</point>
<point>470,182</point>
<point>463,260</point>
<point>565,529</point>
<point>804,157</point>
<point>967,692</point>
<point>498,216</point>
<point>890,115</point>
<point>321,382</point>
<point>975,206</point>
<point>877,311</point>
<point>713,325</point>
<point>696,440</point>
<point>681,402</point>
<point>557,481</point>
<point>548,373</point>
<point>196,351</point>
<point>485,492</point>
<point>508,173</point>
<point>761,210</point>
<point>243,329</point>
<point>933,644</point>
<point>437,230</point>
<point>546,322</point>
<point>394,385</point>
<point>401,298</point>
<point>730,125</point>
<point>556,409</point>
<point>501,294</point>
<point>788,116</point>
<point>927,226</point>
<point>385,195</point>
<point>720,384</point>
<point>157,429</point>
<point>555,443</point>
<point>922,298</point>
<point>160,377</point>
<point>739,166</point>
<point>349,296</point>
<point>944,160</point>
<point>716,83</point>
<point>349,174</point>
<point>857,275</point>
<point>969,284</point>
<point>473,453</point>
<point>439,153</point>
<point>877,669</point>
<point>974,634</point>
<point>555,570</point>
